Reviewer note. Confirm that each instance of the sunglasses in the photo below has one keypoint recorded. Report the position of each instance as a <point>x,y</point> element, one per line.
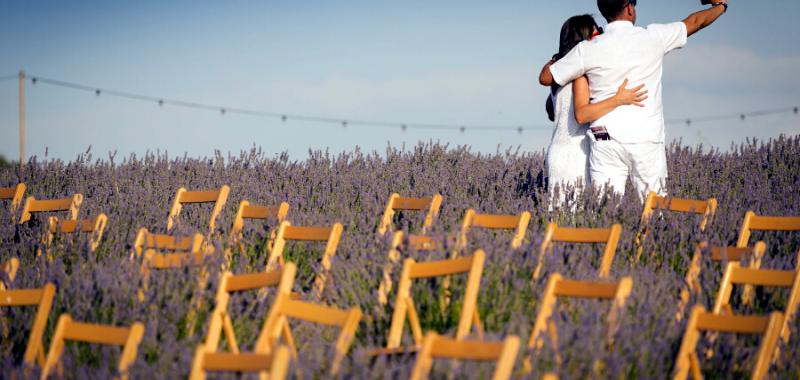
<point>632,2</point>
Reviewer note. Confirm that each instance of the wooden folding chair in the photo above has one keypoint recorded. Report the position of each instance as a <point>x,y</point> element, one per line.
<point>404,307</point>
<point>437,347</point>
<point>42,298</point>
<point>768,327</point>
<point>753,222</point>
<point>8,270</point>
<point>753,254</point>
<point>272,366</point>
<point>414,242</point>
<point>13,194</point>
<point>221,322</point>
<point>217,197</point>
<point>164,251</point>
<point>255,212</point>
<point>556,234</point>
<point>68,330</point>
<point>286,307</point>
<point>396,203</point>
<point>95,227</point>
<point>736,275</point>
<point>156,251</point>
<point>617,292</point>
<point>706,208</point>
<point>518,223</point>
<point>34,206</point>
<point>286,232</point>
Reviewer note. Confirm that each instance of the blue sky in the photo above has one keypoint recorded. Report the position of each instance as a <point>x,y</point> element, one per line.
<point>454,62</point>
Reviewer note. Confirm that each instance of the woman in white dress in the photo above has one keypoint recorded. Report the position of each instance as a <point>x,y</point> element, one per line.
<point>571,109</point>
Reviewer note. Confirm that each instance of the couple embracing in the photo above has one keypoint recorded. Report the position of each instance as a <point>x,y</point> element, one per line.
<point>606,131</point>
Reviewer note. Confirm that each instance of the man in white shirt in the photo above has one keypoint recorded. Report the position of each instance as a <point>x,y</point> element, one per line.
<point>629,141</point>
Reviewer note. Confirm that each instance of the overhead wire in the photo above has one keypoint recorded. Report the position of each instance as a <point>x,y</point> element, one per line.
<point>345,122</point>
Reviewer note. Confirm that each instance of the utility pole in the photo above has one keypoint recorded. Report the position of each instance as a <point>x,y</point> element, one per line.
<point>21,119</point>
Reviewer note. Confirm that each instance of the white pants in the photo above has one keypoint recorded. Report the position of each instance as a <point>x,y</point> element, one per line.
<point>612,162</point>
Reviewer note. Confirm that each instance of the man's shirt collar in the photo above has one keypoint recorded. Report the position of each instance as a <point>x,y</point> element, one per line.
<point>619,25</point>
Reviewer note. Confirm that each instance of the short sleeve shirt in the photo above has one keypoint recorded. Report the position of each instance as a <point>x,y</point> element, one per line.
<point>625,51</point>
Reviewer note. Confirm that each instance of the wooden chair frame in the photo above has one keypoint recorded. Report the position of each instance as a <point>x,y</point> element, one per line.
<point>736,275</point>
<point>518,223</point>
<point>617,292</point>
<point>69,330</point>
<point>13,194</point>
<point>435,346</point>
<point>164,251</point>
<point>182,196</point>
<point>34,206</point>
<point>654,202</point>
<point>415,242</point>
<point>96,227</point>
<point>286,232</point>
<point>286,307</point>
<point>404,307</point>
<point>42,298</point>
<point>718,254</point>
<point>221,321</point>
<point>274,366</point>
<point>769,327</point>
<point>247,211</point>
<point>9,269</point>
<point>753,222</point>
<point>555,234</point>
<point>157,251</point>
<point>396,203</point>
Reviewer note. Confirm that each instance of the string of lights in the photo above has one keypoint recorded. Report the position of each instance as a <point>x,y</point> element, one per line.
<point>345,122</point>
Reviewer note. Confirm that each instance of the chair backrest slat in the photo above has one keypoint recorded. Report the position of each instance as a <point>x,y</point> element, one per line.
<point>33,206</point>
<point>586,289</point>
<point>307,233</point>
<point>763,277</point>
<point>253,281</point>
<point>441,268</point>
<point>98,334</point>
<point>434,347</point>
<point>411,204</point>
<point>581,235</point>
<point>274,365</point>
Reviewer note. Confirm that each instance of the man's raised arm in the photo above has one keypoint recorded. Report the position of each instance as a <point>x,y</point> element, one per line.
<point>699,20</point>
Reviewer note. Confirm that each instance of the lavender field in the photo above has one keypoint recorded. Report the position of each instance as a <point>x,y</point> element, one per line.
<point>352,188</point>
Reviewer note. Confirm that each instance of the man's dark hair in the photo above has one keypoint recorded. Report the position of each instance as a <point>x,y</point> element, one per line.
<point>611,9</point>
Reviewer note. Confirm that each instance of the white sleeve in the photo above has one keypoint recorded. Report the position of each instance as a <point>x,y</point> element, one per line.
<point>569,68</point>
<point>672,36</point>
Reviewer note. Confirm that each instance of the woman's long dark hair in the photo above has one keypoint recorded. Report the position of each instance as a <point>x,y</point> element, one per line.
<point>575,30</point>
